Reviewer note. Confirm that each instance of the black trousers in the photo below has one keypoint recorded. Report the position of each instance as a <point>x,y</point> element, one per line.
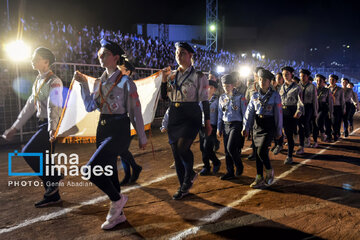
<point>232,136</point>
<point>321,122</point>
<point>264,132</point>
<point>290,125</point>
<point>351,115</point>
<point>39,143</point>
<point>128,162</point>
<point>112,140</point>
<point>346,116</point>
<point>305,123</point>
<point>338,114</point>
<point>207,144</point>
<point>184,159</point>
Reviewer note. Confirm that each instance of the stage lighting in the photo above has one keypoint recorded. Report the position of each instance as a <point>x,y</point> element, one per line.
<point>220,69</point>
<point>212,27</point>
<point>18,51</point>
<point>244,71</point>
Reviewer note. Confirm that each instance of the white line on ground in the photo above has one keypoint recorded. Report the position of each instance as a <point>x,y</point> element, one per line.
<point>219,213</point>
<point>64,211</point>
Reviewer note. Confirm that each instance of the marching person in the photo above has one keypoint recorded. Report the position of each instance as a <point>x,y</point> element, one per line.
<point>252,87</point>
<point>278,146</point>
<point>339,105</point>
<point>293,108</point>
<point>232,107</point>
<point>127,159</point>
<point>325,114</point>
<point>349,97</point>
<point>115,95</point>
<point>311,109</point>
<point>264,116</point>
<point>207,143</point>
<point>46,101</point>
<point>355,107</point>
<point>186,88</point>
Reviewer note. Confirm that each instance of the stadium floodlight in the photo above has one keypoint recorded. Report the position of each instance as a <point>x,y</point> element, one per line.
<point>18,51</point>
<point>244,71</point>
<point>220,69</point>
<point>213,27</point>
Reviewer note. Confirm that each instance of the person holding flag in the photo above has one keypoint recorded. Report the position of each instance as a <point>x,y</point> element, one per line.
<point>46,101</point>
<point>116,97</point>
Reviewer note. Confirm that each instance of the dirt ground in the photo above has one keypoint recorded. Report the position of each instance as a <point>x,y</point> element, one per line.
<point>318,197</point>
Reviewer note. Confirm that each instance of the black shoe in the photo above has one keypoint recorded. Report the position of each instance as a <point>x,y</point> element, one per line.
<point>346,134</point>
<point>126,180</point>
<point>135,174</point>
<point>204,172</point>
<point>239,170</point>
<point>228,176</point>
<point>47,201</point>
<point>251,157</point>
<point>179,194</point>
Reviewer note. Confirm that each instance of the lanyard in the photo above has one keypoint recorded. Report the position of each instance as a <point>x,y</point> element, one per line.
<point>103,99</point>
<point>334,91</point>
<point>305,88</point>
<point>178,88</point>
<point>36,96</point>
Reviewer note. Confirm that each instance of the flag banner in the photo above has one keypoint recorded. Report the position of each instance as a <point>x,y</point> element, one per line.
<point>76,125</point>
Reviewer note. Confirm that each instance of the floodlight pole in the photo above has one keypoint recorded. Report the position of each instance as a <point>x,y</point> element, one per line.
<point>211,19</point>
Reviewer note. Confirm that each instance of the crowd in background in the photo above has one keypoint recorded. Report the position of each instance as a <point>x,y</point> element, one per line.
<point>80,45</point>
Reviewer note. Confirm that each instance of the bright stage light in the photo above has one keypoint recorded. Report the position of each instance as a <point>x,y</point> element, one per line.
<point>244,71</point>
<point>212,27</point>
<point>18,51</point>
<point>220,69</point>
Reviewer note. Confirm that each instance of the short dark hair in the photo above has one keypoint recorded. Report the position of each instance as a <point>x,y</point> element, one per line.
<point>45,53</point>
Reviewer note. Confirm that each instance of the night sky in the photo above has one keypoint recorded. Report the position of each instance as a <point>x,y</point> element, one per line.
<point>281,25</point>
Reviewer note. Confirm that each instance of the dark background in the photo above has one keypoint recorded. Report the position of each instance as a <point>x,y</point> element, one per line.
<point>285,29</point>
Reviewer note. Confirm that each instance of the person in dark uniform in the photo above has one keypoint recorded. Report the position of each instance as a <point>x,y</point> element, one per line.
<point>339,105</point>
<point>252,87</point>
<point>115,95</point>
<point>127,159</point>
<point>278,146</point>
<point>186,88</point>
<point>46,101</point>
<point>325,102</point>
<point>355,107</point>
<point>349,99</point>
<point>232,107</point>
<point>207,143</point>
<point>311,109</point>
<point>264,116</point>
<point>293,108</point>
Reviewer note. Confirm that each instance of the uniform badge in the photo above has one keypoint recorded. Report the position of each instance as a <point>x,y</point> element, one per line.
<point>291,99</point>
<point>269,108</point>
<point>235,108</point>
<point>111,96</point>
<point>114,106</point>
<point>212,110</point>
